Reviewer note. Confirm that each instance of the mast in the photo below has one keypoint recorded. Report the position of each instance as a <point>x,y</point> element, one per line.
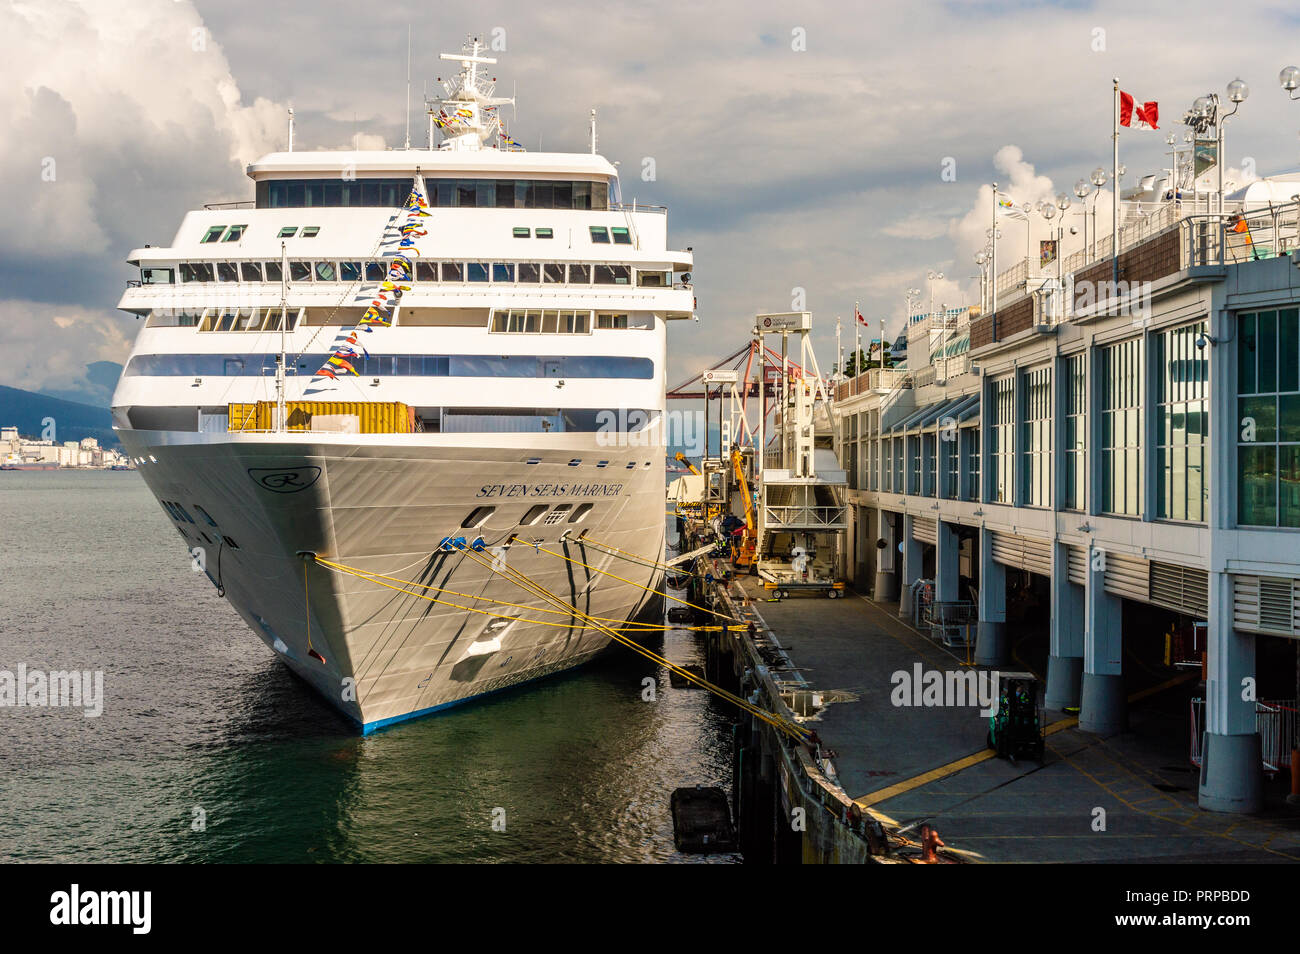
<point>281,418</point>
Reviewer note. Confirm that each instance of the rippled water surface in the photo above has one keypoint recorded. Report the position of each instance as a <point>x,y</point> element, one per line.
<point>198,714</point>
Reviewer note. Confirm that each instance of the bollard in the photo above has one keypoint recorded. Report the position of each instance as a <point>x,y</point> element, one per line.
<point>930,844</point>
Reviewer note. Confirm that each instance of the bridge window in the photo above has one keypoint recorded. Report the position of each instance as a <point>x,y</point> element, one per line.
<point>451,272</point>
<point>289,231</point>
<point>553,273</point>
<point>599,235</point>
<point>156,276</point>
<point>529,273</point>
<point>443,193</point>
<point>235,233</point>
<point>227,272</point>
<point>611,321</point>
<point>426,271</point>
<point>376,271</point>
<point>300,271</point>
<point>250,271</point>
<point>621,236</point>
<point>349,271</point>
<point>325,272</point>
<point>213,234</point>
<point>613,275</point>
<point>274,272</point>
<point>196,272</point>
<point>579,274</point>
<point>310,231</point>
<point>476,272</point>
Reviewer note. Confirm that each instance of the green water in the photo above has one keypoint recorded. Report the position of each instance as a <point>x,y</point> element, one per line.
<point>199,716</point>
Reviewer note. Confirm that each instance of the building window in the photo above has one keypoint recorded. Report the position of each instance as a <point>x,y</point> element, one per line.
<point>931,453</point>
<point>889,465</point>
<point>951,451</point>
<point>1181,422</point>
<point>914,459</point>
<point>1036,476</point>
<point>1001,431</point>
<point>972,436</point>
<point>1076,432</point>
<point>1268,419</point>
<point>1120,379</point>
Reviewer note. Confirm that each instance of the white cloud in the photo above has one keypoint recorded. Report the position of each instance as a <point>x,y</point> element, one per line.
<point>52,353</point>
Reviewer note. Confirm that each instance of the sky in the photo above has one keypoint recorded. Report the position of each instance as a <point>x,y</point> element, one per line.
<point>842,150</point>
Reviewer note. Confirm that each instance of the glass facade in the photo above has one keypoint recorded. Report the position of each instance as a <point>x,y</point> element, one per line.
<point>1120,378</point>
<point>1036,431</point>
<point>1075,370</point>
<point>930,453</point>
<point>1181,424</point>
<point>1002,449</point>
<point>971,437</point>
<point>443,193</point>
<point>1268,425</point>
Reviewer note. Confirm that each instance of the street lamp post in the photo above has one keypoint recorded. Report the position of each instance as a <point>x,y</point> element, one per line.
<point>1098,179</point>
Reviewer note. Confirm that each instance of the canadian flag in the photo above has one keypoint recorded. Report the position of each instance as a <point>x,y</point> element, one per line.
<point>1145,113</point>
<point>861,320</point>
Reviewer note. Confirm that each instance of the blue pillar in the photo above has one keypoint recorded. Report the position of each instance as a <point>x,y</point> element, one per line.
<point>1065,664</point>
<point>1102,706</point>
<point>886,588</point>
<point>991,638</point>
<point>911,568</point>
<point>1231,763</point>
<point>946,564</point>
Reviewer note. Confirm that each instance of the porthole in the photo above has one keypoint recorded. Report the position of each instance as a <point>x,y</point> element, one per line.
<point>581,513</point>
<point>476,517</point>
<point>533,515</point>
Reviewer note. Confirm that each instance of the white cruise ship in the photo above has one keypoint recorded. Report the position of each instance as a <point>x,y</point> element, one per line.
<point>495,400</point>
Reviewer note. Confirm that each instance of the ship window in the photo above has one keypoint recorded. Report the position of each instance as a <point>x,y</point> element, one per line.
<point>611,321</point>
<point>326,272</point>
<point>599,235</point>
<point>288,231</point>
<point>553,274</point>
<point>451,272</point>
<point>582,195</point>
<point>227,272</point>
<point>273,272</point>
<point>556,515</point>
<point>547,233</point>
<point>235,233</point>
<point>602,463</point>
<point>349,271</point>
<point>300,271</point>
<point>213,234</point>
<point>529,272</point>
<point>534,513</point>
<point>206,516</point>
<point>476,272</point>
<point>230,543</point>
<point>156,276</point>
<point>613,274</point>
<point>575,322</point>
<point>621,236</point>
<point>196,272</point>
<point>375,271</point>
<point>580,514</point>
<point>250,271</point>
<point>575,462</point>
<point>503,272</point>
<point>310,231</point>
<point>520,232</point>
<point>426,271</point>
<point>579,274</point>
<point>652,279</point>
<point>476,517</point>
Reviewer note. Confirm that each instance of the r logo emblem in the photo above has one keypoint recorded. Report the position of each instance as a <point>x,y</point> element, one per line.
<point>285,480</point>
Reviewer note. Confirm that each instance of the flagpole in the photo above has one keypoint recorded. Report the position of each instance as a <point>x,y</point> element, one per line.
<point>857,339</point>
<point>1114,181</point>
<point>993,268</point>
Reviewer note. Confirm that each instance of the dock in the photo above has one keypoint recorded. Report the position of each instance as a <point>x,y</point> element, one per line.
<point>879,771</point>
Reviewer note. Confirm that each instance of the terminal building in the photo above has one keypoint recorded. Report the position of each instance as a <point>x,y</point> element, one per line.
<point>1121,437</point>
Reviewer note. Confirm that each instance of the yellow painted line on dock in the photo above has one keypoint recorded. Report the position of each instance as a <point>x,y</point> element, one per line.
<point>943,771</point>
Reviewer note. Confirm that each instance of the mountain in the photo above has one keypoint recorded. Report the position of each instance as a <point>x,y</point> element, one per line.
<point>96,389</point>
<point>28,410</point>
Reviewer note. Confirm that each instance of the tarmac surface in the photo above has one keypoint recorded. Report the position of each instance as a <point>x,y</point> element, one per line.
<point>1126,798</point>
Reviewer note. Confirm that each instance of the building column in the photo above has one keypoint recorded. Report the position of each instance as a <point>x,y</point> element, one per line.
<point>1231,763</point>
<point>1065,664</point>
<point>946,562</point>
<point>1102,705</point>
<point>991,636</point>
<point>911,568</point>
<point>886,584</point>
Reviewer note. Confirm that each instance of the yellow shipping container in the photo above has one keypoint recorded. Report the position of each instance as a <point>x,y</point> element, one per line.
<point>373,417</point>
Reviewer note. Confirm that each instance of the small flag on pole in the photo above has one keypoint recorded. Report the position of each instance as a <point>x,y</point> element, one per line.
<point>1146,114</point>
<point>857,314</point>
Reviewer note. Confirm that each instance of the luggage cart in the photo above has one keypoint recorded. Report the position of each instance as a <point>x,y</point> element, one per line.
<point>951,623</point>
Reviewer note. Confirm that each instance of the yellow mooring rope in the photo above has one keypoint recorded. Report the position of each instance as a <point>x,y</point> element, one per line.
<point>792,729</point>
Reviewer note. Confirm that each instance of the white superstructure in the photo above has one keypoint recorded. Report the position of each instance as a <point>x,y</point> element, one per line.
<point>526,367</point>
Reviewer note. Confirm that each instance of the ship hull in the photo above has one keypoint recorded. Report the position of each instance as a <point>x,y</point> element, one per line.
<point>448,627</point>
